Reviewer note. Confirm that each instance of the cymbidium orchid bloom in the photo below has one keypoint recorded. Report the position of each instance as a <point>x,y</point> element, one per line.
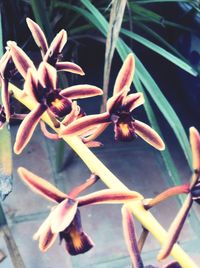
<point>64,218</point>
<point>119,112</point>
<point>53,53</point>
<point>193,195</point>
<point>41,87</point>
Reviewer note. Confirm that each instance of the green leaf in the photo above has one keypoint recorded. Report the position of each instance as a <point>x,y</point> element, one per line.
<point>161,51</point>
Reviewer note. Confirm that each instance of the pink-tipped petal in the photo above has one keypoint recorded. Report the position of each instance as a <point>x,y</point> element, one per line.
<point>116,100</point>
<point>63,215</point>
<point>31,85</point>
<point>47,75</point>
<point>93,144</point>
<point>68,66</point>
<point>79,189</point>
<point>84,124</point>
<point>125,75</point>
<point>175,229</point>
<point>27,128</point>
<point>132,101</point>
<point>41,186</point>
<point>195,146</point>
<point>81,91</point>
<point>130,237</point>
<point>108,197</point>
<point>49,135</point>
<point>38,35</point>
<point>5,99</point>
<point>149,135</point>
<point>56,47</point>
<point>4,61</point>
<point>20,59</point>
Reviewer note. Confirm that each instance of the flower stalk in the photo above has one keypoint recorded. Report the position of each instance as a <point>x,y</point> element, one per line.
<point>111,181</point>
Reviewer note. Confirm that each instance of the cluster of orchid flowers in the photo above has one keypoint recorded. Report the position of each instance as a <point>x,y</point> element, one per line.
<point>42,88</point>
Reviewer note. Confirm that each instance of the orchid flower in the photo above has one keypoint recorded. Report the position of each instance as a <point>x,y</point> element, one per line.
<point>119,112</point>
<point>193,195</point>
<point>53,53</point>
<point>41,87</point>
<point>64,219</point>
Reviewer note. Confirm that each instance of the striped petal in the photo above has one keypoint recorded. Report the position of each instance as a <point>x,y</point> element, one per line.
<point>149,135</point>
<point>76,241</point>
<point>125,75</point>
<point>56,47</point>
<point>132,101</point>
<point>31,85</point>
<point>5,96</point>
<point>27,128</point>
<point>20,59</point>
<point>195,146</point>
<point>84,124</point>
<point>38,35</point>
<point>81,91</point>
<point>175,229</point>
<point>130,237</point>
<point>68,66</point>
<point>79,189</point>
<point>116,100</point>
<point>47,75</point>
<point>41,186</point>
<point>108,196</point>
<point>63,215</point>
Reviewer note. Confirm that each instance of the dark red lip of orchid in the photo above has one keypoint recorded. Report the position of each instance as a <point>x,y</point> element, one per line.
<point>64,219</point>
<point>119,112</point>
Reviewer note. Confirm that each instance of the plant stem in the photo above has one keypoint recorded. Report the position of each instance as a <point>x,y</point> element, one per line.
<point>112,182</point>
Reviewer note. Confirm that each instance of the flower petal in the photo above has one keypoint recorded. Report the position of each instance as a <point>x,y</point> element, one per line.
<point>149,135</point>
<point>47,75</point>
<point>5,98</point>
<point>49,135</point>
<point>76,241</point>
<point>125,75</point>
<point>63,215</point>
<point>56,47</point>
<point>4,62</point>
<point>68,66</point>
<point>41,186</point>
<point>115,102</point>
<point>73,115</point>
<point>108,196</point>
<point>81,91</point>
<point>47,239</point>
<point>31,85</point>
<point>132,101</point>
<point>84,124</point>
<point>38,35</point>
<point>130,237</point>
<point>20,59</point>
<point>195,146</point>
<point>175,229</point>
<point>27,128</point>
<point>88,183</point>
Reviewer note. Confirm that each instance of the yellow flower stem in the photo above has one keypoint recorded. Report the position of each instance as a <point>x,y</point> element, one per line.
<point>112,182</point>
